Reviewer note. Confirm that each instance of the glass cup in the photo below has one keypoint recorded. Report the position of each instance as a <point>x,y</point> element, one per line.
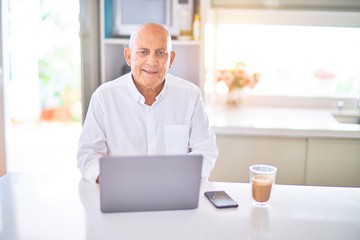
<point>262,179</point>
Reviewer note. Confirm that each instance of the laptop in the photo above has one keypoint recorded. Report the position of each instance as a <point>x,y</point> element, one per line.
<point>149,183</point>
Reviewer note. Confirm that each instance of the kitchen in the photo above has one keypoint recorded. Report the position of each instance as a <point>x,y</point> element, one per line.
<point>311,109</point>
<point>298,134</point>
<point>294,124</point>
<point>287,121</point>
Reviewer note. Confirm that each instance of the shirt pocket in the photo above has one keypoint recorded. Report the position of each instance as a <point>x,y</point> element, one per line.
<point>176,139</point>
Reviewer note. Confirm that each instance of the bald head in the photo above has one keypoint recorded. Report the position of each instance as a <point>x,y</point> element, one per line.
<point>150,56</point>
<point>151,29</point>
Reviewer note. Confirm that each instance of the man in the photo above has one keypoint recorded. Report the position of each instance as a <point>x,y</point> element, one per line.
<point>146,111</point>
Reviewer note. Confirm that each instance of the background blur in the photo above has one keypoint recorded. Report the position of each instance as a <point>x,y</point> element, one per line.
<point>43,92</point>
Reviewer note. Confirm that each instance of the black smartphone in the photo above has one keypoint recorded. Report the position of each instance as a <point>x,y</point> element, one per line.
<point>221,199</point>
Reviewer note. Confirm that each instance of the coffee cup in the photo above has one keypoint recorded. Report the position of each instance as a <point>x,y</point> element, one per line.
<point>262,179</point>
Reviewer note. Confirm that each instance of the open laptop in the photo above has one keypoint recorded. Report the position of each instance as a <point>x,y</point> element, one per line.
<point>149,183</point>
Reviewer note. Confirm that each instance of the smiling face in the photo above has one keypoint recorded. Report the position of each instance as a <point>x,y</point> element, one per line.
<point>150,56</point>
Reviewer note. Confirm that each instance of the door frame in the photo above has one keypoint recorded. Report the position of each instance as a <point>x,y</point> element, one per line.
<point>3,54</point>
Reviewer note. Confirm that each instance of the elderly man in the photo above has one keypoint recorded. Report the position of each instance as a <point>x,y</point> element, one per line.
<point>146,111</point>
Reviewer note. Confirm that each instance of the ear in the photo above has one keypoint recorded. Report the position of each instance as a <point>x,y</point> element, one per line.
<point>172,58</point>
<point>127,55</point>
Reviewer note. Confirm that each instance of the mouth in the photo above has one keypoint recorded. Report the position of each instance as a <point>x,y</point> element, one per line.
<point>150,71</point>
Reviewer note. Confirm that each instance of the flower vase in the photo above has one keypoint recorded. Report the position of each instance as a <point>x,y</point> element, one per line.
<point>234,98</point>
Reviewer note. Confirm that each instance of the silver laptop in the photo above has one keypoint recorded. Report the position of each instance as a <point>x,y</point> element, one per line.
<point>149,183</point>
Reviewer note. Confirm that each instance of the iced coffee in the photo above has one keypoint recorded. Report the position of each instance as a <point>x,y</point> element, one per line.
<point>262,178</point>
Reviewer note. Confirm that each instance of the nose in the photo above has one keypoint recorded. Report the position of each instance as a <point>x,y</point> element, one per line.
<point>152,59</point>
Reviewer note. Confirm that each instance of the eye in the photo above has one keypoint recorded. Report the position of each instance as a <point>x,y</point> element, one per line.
<point>161,53</point>
<point>143,52</point>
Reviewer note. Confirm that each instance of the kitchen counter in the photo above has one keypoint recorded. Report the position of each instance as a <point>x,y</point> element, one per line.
<point>306,144</point>
<point>280,121</point>
<point>67,208</point>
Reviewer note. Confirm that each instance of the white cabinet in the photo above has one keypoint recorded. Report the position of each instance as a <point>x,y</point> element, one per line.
<point>333,162</point>
<point>188,61</point>
<point>308,161</point>
<point>237,153</point>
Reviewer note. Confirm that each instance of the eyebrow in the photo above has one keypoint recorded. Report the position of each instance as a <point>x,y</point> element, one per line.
<point>158,49</point>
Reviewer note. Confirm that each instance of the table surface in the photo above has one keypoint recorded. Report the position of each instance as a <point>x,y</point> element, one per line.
<point>55,207</point>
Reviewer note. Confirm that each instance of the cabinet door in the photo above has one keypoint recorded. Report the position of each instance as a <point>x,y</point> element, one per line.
<point>237,153</point>
<point>187,63</point>
<point>333,162</point>
<point>114,64</point>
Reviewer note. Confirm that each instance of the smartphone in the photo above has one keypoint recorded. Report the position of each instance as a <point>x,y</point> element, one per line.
<point>221,199</point>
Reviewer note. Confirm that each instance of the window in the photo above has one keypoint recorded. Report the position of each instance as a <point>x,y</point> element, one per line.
<point>306,55</point>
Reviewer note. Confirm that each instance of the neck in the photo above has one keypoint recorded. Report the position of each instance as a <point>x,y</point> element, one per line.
<point>149,93</point>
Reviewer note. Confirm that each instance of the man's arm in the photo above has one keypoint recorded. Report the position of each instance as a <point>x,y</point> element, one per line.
<point>203,140</point>
<point>92,142</point>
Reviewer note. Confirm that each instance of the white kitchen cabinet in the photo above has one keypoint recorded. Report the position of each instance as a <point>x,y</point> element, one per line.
<point>309,161</point>
<point>237,153</point>
<point>188,61</point>
<point>333,162</point>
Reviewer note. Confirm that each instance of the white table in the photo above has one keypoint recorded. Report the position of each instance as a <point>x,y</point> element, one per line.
<point>53,207</point>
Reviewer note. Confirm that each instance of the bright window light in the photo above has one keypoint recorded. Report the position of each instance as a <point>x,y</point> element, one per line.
<point>293,60</point>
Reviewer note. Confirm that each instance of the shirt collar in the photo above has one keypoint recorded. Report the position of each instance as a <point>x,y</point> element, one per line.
<point>134,93</point>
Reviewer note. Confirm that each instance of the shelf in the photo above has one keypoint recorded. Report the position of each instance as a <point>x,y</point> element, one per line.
<point>123,41</point>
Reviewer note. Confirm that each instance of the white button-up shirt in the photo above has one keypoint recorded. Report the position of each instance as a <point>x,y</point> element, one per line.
<point>118,122</point>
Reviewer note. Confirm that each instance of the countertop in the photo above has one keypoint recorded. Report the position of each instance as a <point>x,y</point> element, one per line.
<point>279,121</point>
<point>53,207</point>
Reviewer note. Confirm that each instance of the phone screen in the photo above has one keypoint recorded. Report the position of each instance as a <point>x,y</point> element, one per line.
<point>221,199</point>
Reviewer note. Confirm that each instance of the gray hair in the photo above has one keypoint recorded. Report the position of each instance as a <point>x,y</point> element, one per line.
<point>133,37</point>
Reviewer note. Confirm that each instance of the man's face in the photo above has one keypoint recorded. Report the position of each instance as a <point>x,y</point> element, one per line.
<point>149,57</point>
